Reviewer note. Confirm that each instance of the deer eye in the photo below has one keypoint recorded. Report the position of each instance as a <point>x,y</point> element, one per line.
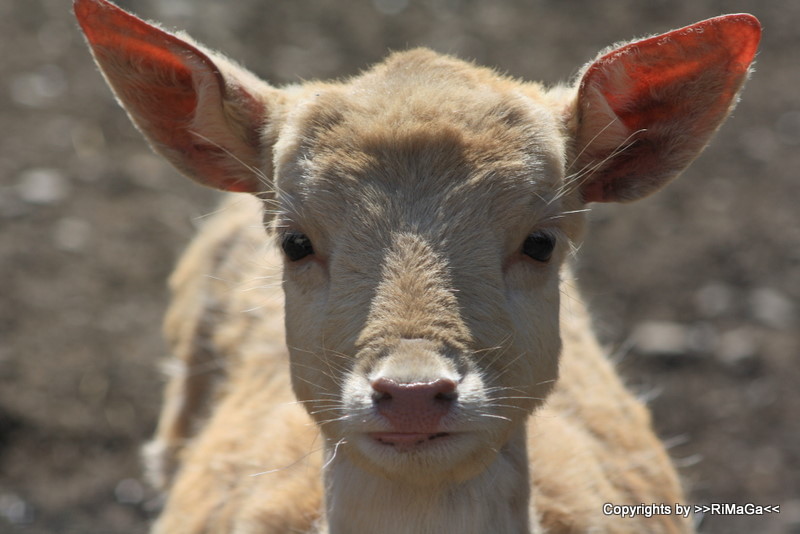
<point>539,246</point>
<point>296,246</point>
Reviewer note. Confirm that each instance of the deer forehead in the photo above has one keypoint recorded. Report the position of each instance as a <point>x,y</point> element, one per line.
<point>419,140</point>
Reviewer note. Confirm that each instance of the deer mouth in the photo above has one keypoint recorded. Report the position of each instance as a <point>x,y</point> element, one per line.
<point>407,440</point>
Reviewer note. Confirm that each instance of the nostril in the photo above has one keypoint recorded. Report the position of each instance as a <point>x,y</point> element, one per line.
<point>382,393</point>
<point>444,390</point>
<point>446,396</point>
<point>444,386</point>
<point>382,390</point>
<point>383,386</point>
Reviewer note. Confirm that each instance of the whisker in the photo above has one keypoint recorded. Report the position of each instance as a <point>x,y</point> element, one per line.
<point>270,471</point>
<point>333,455</point>
<point>592,140</point>
<point>257,172</point>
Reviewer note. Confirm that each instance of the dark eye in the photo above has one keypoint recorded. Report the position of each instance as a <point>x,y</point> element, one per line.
<point>296,246</point>
<point>539,246</point>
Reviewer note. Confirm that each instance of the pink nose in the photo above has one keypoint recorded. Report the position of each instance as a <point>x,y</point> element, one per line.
<point>415,406</point>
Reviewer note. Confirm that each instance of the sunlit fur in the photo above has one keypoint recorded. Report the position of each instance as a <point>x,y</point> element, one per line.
<point>386,191</point>
<point>417,183</point>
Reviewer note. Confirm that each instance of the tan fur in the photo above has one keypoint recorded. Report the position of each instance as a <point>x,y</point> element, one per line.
<point>417,183</point>
<point>383,287</point>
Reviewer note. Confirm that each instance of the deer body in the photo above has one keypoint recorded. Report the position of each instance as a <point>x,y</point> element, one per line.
<point>385,337</point>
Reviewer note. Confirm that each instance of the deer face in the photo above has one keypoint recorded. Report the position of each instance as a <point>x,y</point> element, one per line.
<point>423,233</point>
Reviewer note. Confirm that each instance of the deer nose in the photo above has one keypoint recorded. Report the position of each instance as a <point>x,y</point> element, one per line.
<point>414,406</point>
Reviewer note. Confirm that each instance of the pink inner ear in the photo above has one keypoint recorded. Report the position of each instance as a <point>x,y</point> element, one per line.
<point>178,99</point>
<point>125,37</point>
<point>154,74</point>
<point>728,42</point>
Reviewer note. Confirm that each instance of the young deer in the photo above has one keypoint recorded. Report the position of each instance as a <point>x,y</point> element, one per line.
<point>436,371</point>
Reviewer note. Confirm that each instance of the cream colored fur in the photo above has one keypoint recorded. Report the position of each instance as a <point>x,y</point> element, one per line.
<point>417,183</point>
<point>415,249</point>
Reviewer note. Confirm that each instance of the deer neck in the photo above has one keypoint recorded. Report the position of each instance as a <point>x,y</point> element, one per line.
<point>494,502</point>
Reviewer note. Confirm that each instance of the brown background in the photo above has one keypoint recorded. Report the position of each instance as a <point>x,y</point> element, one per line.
<point>91,223</point>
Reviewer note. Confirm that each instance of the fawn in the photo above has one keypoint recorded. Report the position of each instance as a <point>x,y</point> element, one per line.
<point>426,365</point>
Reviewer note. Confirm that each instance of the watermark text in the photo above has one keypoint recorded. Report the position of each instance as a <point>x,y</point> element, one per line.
<point>685,510</point>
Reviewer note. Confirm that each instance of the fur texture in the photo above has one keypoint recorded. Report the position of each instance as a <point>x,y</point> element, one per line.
<point>417,360</point>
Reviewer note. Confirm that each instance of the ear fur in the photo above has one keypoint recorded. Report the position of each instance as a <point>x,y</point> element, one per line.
<point>202,112</point>
<point>646,109</point>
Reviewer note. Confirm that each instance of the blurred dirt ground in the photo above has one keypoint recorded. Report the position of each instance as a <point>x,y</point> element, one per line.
<point>696,289</point>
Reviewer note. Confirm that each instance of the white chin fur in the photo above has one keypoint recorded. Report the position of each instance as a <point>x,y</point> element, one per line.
<point>450,458</point>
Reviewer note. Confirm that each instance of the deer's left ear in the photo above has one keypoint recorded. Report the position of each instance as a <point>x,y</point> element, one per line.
<point>645,110</point>
<point>202,112</point>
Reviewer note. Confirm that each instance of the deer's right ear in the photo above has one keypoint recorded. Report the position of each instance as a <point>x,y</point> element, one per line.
<point>203,113</point>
